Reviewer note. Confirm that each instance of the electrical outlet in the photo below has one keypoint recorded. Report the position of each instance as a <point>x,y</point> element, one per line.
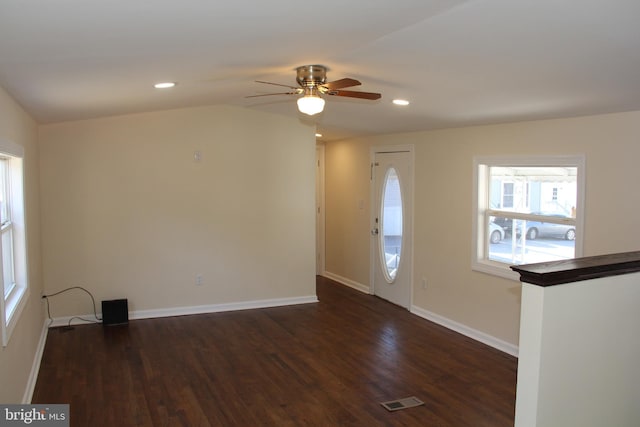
<point>199,280</point>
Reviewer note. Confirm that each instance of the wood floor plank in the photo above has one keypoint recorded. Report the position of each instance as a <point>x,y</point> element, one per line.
<point>324,364</point>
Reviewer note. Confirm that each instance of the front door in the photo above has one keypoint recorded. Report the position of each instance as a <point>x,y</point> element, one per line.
<point>392,182</point>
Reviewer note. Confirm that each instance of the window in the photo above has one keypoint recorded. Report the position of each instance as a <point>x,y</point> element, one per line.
<point>526,210</point>
<point>6,229</point>
<point>507,194</point>
<point>392,218</point>
<point>12,238</point>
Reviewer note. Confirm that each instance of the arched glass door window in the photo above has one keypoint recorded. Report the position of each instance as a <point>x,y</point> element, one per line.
<point>392,218</point>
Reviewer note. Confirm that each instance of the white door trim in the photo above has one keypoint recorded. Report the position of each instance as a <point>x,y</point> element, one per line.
<point>320,211</point>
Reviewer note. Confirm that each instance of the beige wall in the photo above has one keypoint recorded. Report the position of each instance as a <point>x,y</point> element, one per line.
<point>17,358</point>
<point>128,213</point>
<point>443,203</point>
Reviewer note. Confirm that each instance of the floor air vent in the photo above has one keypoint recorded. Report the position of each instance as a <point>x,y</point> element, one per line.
<point>408,402</point>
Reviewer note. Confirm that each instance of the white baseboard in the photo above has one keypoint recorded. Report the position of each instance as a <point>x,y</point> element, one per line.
<point>217,308</point>
<point>347,282</point>
<point>467,331</point>
<point>199,309</point>
<point>35,367</point>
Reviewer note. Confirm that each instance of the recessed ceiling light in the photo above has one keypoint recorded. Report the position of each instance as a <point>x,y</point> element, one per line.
<point>318,135</point>
<point>164,85</point>
<point>400,102</point>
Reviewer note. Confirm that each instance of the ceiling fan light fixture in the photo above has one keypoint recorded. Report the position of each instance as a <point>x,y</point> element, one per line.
<point>312,82</point>
<point>310,104</point>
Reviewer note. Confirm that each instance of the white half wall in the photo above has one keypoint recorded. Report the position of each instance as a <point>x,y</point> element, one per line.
<point>579,355</point>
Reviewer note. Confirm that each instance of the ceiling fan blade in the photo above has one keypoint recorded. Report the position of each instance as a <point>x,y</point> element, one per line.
<point>277,84</point>
<point>269,94</point>
<point>355,94</point>
<point>339,84</point>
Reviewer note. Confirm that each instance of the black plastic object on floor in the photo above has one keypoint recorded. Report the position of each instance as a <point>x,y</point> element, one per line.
<point>115,312</point>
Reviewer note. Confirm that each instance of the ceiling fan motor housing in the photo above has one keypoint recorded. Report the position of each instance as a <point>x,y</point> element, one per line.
<point>311,75</point>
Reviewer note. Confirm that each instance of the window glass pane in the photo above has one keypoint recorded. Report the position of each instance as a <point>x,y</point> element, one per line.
<point>7,234</point>
<point>541,243</point>
<point>4,211</point>
<point>7,261</point>
<point>534,189</point>
<point>391,233</point>
<point>518,191</point>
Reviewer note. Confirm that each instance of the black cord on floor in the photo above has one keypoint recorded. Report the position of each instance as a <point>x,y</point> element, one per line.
<point>93,301</point>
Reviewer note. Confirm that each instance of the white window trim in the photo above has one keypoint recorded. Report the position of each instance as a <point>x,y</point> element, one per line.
<point>479,261</point>
<point>12,307</point>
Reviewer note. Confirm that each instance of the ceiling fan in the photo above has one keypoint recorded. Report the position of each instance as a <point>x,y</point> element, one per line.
<point>312,81</point>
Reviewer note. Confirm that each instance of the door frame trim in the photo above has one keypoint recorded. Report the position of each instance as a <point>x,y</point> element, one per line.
<point>402,148</point>
<point>320,210</point>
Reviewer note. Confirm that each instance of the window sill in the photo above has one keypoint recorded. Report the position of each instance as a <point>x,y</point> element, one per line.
<point>495,269</point>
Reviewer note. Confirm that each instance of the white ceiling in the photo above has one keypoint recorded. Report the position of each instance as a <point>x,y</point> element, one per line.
<point>459,62</point>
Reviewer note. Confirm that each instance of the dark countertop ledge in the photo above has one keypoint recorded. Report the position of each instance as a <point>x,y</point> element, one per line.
<point>578,269</point>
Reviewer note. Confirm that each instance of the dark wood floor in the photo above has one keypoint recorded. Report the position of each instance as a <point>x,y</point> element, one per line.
<point>325,364</point>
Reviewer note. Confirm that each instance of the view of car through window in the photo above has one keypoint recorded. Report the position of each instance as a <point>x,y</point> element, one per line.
<point>536,229</point>
<point>532,214</point>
